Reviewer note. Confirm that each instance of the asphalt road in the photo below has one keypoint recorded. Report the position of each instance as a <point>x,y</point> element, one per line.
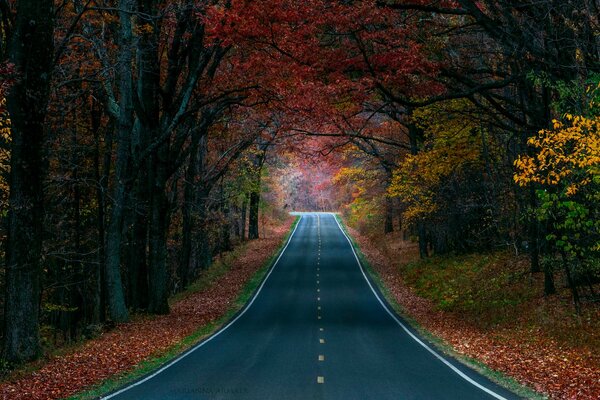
<point>315,330</point>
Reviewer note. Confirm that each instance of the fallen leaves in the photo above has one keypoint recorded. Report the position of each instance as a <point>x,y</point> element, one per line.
<point>121,349</point>
<point>522,351</point>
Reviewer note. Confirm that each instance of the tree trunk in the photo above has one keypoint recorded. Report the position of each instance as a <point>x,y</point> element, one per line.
<point>159,224</point>
<point>549,287</point>
<point>572,284</point>
<point>422,232</point>
<point>31,50</point>
<point>244,217</point>
<point>117,309</point>
<point>116,300</point>
<point>204,251</point>
<point>226,227</point>
<point>534,227</point>
<point>101,176</point>
<point>137,266</point>
<point>253,217</point>
<point>415,136</point>
<point>189,213</point>
<point>389,215</point>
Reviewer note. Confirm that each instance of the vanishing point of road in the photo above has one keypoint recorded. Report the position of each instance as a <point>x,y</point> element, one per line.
<point>316,329</point>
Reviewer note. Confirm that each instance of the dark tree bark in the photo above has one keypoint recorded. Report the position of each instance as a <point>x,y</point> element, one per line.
<point>137,266</point>
<point>244,217</point>
<point>254,206</point>
<point>101,177</point>
<point>204,252</point>
<point>253,214</point>
<point>31,50</point>
<point>415,136</point>
<point>159,224</point>
<point>389,215</point>
<point>549,288</point>
<point>116,299</point>
<point>190,208</point>
<point>188,214</point>
<point>146,126</point>
<point>226,227</point>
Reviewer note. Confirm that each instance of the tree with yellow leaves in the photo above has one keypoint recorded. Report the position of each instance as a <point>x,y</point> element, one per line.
<point>445,183</point>
<point>566,168</point>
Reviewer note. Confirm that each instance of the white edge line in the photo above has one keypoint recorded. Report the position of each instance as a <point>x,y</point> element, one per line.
<point>214,335</point>
<point>416,339</point>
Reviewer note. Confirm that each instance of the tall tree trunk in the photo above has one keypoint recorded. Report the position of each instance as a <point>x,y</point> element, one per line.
<point>78,290</point>
<point>528,100</point>
<point>415,136</point>
<point>572,284</point>
<point>202,242</point>
<point>201,249</point>
<point>116,300</point>
<point>389,215</point>
<point>422,232</point>
<point>117,309</point>
<point>244,217</point>
<point>31,50</point>
<point>188,217</point>
<point>549,287</point>
<point>388,225</point>
<point>534,228</point>
<point>159,224</point>
<point>226,227</point>
<point>253,215</point>
<point>137,265</point>
<point>189,213</point>
<point>101,176</point>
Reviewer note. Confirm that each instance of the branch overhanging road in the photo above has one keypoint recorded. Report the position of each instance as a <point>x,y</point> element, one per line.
<point>316,329</point>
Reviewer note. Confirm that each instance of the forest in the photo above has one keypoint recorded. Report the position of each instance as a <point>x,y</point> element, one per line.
<point>140,139</point>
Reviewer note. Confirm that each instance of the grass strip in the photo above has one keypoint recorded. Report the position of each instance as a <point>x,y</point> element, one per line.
<point>438,343</point>
<point>155,362</point>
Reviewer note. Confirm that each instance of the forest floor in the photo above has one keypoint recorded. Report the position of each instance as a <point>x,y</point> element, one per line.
<point>486,309</point>
<point>132,349</point>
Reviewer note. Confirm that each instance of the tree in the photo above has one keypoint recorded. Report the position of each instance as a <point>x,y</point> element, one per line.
<point>567,169</point>
<point>31,50</point>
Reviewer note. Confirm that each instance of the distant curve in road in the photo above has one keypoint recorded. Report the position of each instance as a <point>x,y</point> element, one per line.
<point>316,329</point>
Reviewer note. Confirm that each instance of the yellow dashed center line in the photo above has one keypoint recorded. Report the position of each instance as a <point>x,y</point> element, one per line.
<point>320,357</point>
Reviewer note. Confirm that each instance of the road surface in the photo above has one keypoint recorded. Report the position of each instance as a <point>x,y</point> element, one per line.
<point>315,330</point>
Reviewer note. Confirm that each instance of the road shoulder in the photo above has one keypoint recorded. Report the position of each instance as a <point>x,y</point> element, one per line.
<point>390,288</point>
<point>133,350</point>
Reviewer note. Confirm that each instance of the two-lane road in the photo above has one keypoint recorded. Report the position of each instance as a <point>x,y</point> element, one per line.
<point>315,330</point>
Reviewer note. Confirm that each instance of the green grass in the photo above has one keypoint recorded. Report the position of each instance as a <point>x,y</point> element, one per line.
<point>438,343</point>
<point>217,270</point>
<point>486,289</point>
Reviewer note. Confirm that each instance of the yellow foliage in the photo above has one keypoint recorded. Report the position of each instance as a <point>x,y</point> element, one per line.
<point>365,199</point>
<point>451,142</point>
<point>144,29</point>
<point>570,151</point>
